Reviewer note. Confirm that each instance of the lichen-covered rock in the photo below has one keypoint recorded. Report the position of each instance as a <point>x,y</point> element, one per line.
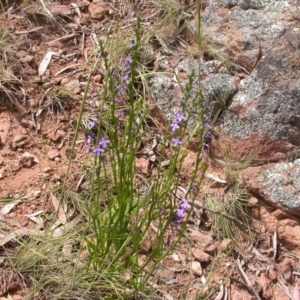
<point>278,184</point>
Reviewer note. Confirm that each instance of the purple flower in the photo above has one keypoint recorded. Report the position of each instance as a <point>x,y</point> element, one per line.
<point>126,79</point>
<point>118,101</point>
<point>185,205</point>
<point>180,117</point>
<point>207,126</point>
<point>206,146</point>
<point>175,126</point>
<point>193,189</point>
<point>126,69</point>
<point>180,213</point>
<point>103,143</point>
<point>90,139</point>
<point>208,137</point>
<point>93,124</point>
<point>176,142</point>
<point>128,59</point>
<point>98,151</point>
<point>122,89</point>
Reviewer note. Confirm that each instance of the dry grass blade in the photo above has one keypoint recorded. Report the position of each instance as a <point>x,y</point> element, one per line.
<point>246,279</point>
<point>275,244</point>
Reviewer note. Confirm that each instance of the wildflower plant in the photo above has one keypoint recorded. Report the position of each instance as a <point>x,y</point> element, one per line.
<point>119,212</point>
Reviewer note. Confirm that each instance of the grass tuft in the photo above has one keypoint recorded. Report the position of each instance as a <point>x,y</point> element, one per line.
<point>232,206</point>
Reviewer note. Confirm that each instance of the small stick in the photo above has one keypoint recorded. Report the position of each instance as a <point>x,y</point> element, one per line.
<point>66,68</point>
<point>62,38</point>
<point>28,31</point>
<point>246,279</point>
<point>259,56</point>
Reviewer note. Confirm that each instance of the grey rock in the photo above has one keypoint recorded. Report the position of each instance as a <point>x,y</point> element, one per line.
<point>254,4</point>
<point>231,3</point>
<point>279,184</point>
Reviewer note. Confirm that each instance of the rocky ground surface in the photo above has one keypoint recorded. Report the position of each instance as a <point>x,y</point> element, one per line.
<point>253,98</point>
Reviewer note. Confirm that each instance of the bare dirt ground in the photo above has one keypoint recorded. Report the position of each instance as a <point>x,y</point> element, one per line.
<point>36,130</point>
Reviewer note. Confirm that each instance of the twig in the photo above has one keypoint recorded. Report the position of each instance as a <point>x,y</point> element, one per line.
<point>29,31</point>
<point>62,38</point>
<point>66,68</point>
<point>246,279</point>
<point>258,58</point>
<point>46,9</point>
<point>198,205</point>
<point>82,40</point>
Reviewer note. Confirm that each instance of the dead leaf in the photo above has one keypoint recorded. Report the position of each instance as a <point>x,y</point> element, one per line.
<point>215,178</point>
<point>44,63</point>
<point>8,207</point>
<point>79,183</point>
<point>221,293</point>
<point>54,202</point>
<point>62,216</point>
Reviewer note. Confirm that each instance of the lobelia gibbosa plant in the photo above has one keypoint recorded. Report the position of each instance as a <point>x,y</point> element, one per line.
<point>123,217</point>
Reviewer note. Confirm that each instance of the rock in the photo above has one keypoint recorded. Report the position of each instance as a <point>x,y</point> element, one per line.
<point>36,193</point>
<point>52,154</point>
<point>19,141</point>
<point>196,268</point>
<point>28,59</point>
<point>73,86</point>
<point>201,256</point>
<point>204,241</point>
<point>239,295</point>
<point>58,135</point>
<point>98,78</point>
<point>267,291</point>
<point>289,235</point>
<point>98,10</point>
<point>166,274</point>
<point>143,165</point>
<point>226,245</point>
<point>218,90</point>
<point>256,109</point>
<point>26,161</point>
<point>27,124</point>
<point>278,184</point>
<point>4,194</point>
